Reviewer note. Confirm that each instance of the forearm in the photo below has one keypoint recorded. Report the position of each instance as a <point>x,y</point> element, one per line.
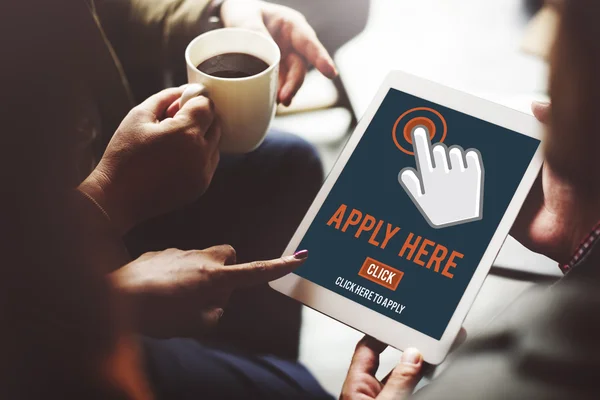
<point>105,250</point>
<point>103,245</point>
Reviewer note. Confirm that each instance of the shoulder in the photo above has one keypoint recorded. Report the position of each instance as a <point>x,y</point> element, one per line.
<point>547,345</point>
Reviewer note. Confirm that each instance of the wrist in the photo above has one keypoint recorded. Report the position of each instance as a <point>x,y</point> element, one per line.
<point>580,244</point>
<point>136,292</point>
<point>97,188</point>
<point>121,283</point>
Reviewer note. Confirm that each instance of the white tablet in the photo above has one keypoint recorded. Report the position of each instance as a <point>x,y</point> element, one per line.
<point>414,212</point>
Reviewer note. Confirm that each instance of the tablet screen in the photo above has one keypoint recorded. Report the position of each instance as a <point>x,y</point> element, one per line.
<point>406,224</point>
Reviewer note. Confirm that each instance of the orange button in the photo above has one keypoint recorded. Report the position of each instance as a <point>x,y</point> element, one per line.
<point>380,273</point>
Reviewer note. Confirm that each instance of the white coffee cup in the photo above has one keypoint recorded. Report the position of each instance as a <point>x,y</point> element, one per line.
<point>244,106</point>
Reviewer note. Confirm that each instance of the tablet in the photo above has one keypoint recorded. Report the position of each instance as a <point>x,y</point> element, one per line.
<point>408,223</point>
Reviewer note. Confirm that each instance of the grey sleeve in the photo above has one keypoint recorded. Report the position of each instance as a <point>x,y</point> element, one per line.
<point>546,346</point>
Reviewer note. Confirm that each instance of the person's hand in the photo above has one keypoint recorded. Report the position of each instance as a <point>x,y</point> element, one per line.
<point>297,41</point>
<point>155,163</point>
<point>184,293</point>
<point>557,214</point>
<point>361,383</point>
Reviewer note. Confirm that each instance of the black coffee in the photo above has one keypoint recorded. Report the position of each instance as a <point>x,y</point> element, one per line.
<point>233,65</point>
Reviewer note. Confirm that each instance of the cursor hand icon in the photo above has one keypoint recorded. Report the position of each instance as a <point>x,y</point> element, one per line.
<point>448,186</point>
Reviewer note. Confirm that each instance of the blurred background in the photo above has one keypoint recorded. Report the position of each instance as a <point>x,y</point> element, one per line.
<point>493,49</point>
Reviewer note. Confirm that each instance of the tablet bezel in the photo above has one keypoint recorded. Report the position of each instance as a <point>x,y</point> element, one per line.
<point>363,318</point>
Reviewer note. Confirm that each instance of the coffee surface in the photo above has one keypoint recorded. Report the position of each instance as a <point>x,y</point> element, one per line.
<point>233,65</point>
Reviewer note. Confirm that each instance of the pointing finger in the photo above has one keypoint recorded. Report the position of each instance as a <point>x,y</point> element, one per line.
<point>422,146</point>
<point>258,272</point>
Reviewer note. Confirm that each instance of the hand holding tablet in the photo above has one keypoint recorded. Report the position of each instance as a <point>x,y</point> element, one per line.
<point>403,232</point>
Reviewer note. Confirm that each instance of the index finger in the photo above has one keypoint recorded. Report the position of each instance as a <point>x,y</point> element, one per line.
<point>159,102</point>
<point>258,272</point>
<point>422,146</point>
<point>366,356</point>
<point>198,112</point>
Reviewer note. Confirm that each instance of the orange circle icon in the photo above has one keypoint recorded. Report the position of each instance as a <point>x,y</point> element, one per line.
<point>418,121</point>
<point>413,123</point>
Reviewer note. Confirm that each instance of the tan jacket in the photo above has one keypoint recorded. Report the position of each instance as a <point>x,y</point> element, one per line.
<point>135,46</point>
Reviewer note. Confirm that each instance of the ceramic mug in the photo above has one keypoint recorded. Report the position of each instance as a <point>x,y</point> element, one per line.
<point>244,106</point>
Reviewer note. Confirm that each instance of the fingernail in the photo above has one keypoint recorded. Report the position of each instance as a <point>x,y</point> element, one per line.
<point>219,312</point>
<point>329,66</point>
<point>335,71</point>
<point>301,255</point>
<point>411,356</point>
<point>541,103</point>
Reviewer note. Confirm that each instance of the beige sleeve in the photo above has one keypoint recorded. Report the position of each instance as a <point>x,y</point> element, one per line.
<point>150,37</point>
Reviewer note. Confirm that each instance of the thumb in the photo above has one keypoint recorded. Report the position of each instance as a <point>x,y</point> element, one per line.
<point>403,379</point>
<point>410,181</point>
<point>541,111</point>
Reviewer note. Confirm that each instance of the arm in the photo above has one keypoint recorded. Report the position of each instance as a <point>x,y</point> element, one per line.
<point>153,164</point>
<point>139,177</point>
<point>544,347</point>
<point>150,37</point>
<point>104,245</point>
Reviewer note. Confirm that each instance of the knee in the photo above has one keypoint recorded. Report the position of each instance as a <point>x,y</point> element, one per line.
<point>291,164</point>
<point>302,161</point>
